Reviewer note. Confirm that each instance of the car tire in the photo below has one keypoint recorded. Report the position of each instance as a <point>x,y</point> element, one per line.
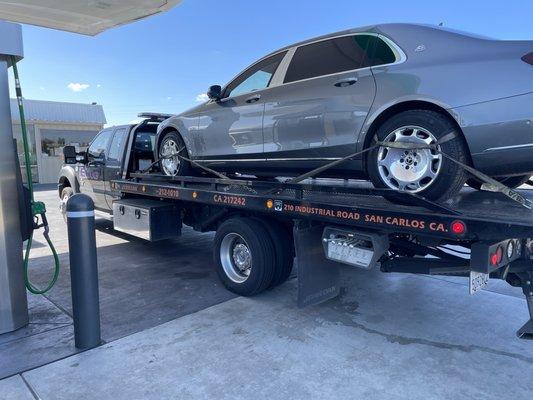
<point>172,142</point>
<point>284,249</point>
<point>244,256</point>
<point>510,181</point>
<point>419,126</point>
<point>66,193</point>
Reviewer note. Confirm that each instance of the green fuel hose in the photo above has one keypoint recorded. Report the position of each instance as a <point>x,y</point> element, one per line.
<point>37,207</point>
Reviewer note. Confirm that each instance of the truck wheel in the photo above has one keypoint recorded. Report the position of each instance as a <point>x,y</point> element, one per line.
<point>511,181</point>
<point>284,249</point>
<point>424,172</point>
<point>244,256</point>
<point>172,143</point>
<point>66,194</point>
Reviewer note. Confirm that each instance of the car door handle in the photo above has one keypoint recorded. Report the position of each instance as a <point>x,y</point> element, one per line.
<point>253,99</point>
<point>346,82</point>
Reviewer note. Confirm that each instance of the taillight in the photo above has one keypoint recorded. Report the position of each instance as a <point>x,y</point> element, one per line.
<point>528,58</point>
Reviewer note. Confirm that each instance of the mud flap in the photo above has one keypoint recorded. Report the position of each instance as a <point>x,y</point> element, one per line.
<point>318,277</point>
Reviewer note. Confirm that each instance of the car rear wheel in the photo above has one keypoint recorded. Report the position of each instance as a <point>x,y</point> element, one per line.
<point>419,171</point>
<point>510,181</point>
<point>170,145</point>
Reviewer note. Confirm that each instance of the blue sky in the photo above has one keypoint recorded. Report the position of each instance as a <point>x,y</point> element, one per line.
<point>164,62</point>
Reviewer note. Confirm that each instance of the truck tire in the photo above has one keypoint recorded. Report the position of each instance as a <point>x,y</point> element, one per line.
<point>171,143</point>
<point>244,256</point>
<point>423,172</point>
<point>511,181</point>
<point>66,193</point>
<point>284,249</point>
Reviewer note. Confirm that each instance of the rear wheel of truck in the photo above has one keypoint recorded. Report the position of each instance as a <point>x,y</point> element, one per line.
<point>284,249</point>
<point>244,256</point>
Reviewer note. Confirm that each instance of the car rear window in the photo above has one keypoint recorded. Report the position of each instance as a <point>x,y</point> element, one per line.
<point>329,57</point>
<point>336,55</point>
<point>382,53</point>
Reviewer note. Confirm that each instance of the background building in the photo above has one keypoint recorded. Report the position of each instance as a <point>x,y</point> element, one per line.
<point>52,125</point>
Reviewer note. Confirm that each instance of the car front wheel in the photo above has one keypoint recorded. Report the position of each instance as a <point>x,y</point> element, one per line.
<point>170,163</point>
<point>425,172</point>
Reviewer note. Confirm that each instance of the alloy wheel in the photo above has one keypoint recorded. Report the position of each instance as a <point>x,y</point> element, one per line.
<point>409,170</point>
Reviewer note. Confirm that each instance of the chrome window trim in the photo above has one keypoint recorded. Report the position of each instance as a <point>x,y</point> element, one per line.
<point>401,57</point>
<point>281,71</point>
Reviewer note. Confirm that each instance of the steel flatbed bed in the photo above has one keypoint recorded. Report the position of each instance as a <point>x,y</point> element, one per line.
<point>487,215</point>
<point>335,222</point>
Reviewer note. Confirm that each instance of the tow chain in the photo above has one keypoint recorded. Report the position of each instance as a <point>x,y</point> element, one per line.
<point>38,208</point>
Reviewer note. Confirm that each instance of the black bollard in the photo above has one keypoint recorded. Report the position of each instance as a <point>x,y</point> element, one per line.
<point>83,271</point>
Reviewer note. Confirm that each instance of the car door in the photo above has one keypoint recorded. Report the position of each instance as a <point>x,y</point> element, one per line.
<point>232,127</point>
<point>319,110</point>
<point>91,175</point>
<point>113,165</point>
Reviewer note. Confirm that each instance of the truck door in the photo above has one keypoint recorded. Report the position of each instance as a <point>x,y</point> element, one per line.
<point>91,175</point>
<point>113,166</point>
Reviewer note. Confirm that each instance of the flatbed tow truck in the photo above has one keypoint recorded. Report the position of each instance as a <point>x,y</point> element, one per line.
<point>262,225</point>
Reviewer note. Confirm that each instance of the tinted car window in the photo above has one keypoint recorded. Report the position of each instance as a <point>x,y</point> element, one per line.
<point>98,147</point>
<point>256,77</point>
<point>328,57</point>
<point>382,53</point>
<point>117,145</point>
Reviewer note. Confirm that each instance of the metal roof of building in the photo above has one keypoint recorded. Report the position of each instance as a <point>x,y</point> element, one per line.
<point>59,112</point>
<point>81,16</point>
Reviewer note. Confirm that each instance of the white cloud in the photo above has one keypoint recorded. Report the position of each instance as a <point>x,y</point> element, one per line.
<point>77,87</point>
<point>202,97</point>
<point>42,88</point>
<point>169,98</point>
<point>98,85</point>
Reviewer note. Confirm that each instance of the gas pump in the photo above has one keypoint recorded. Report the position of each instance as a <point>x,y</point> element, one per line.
<point>13,301</point>
<point>16,199</point>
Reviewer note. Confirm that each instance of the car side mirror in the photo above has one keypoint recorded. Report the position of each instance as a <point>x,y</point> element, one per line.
<point>214,92</point>
<point>69,153</point>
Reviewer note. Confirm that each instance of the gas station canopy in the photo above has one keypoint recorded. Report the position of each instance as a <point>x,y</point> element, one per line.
<point>88,17</point>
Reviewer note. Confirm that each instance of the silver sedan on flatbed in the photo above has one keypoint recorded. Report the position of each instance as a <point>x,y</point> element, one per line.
<point>325,98</point>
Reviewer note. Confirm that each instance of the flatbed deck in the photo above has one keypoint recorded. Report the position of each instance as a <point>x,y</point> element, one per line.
<point>486,215</point>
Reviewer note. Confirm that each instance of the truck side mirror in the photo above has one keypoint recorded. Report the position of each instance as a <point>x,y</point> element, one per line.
<point>69,153</point>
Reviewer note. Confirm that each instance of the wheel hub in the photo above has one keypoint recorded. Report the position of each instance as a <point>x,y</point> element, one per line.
<point>236,257</point>
<point>411,170</point>
<point>241,256</point>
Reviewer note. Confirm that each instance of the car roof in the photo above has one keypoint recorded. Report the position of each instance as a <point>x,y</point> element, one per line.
<point>388,29</point>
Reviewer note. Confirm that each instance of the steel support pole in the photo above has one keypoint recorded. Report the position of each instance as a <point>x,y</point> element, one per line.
<point>13,301</point>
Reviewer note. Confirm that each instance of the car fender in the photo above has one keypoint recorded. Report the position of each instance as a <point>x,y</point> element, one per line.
<point>400,104</point>
<point>184,125</point>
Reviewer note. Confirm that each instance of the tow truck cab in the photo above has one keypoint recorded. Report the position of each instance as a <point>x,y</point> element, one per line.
<point>113,154</point>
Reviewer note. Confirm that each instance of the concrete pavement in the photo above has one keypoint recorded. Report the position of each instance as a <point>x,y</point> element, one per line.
<point>388,336</point>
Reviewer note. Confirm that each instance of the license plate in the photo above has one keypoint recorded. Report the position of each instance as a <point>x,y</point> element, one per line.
<point>478,280</point>
<point>351,255</point>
